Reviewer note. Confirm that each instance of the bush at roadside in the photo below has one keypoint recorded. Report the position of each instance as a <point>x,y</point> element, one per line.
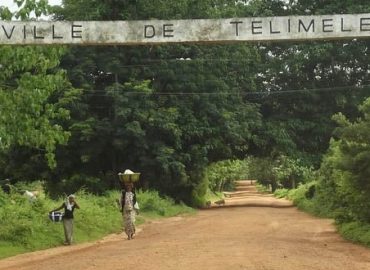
<point>24,224</point>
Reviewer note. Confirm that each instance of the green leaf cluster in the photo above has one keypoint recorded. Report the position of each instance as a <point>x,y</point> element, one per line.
<point>345,169</point>
<point>222,174</point>
<point>169,111</point>
<point>33,93</point>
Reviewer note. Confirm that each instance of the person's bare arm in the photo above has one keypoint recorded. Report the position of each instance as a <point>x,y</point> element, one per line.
<point>59,208</point>
<point>76,205</point>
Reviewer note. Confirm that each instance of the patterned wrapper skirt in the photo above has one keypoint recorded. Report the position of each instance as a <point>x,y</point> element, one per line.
<point>129,221</point>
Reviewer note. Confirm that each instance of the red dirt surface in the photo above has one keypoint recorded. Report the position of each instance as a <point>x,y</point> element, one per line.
<point>240,237</point>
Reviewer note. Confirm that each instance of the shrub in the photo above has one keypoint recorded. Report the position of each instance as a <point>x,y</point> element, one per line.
<point>152,203</point>
<point>282,172</point>
<point>263,189</point>
<point>221,175</point>
<point>281,193</point>
<point>289,172</point>
<point>345,168</point>
<point>301,197</point>
<point>24,225</point>
<point>262,170</point>
<point>76,182</point>
<point>356,231</point>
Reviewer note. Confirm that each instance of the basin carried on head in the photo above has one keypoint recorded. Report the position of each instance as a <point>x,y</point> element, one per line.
<point>129,176</point>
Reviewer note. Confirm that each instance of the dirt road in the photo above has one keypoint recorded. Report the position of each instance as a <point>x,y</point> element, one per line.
<point>232,238</point>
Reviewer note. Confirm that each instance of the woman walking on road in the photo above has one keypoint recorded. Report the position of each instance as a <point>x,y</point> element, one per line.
<point>128,209</point>
<point>69,206</point>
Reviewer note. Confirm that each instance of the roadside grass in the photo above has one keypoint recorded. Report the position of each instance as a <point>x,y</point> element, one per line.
<point>213,196</point>
<point>262,189</point>
<point>305,200</point>
<point>24,224</point>
<point>281,193</point>
<point>355,231</point>
<point>8,249</point>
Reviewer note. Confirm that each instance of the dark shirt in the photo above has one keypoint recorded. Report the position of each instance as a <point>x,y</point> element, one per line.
<point>67,213</point>
<point>6,188</point>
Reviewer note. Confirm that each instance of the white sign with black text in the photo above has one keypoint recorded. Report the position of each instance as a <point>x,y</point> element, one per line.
<point>323,27</point>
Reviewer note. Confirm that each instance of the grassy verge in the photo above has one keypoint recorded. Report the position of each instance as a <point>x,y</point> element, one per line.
<point>213,196</point>
<point>356,232</point>
<point>262,189</point>
<point>24,225</point>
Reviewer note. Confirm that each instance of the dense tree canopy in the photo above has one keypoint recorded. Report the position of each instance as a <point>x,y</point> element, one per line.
<point>34,93</point>
<point>170,110</point>
<point>345,169</point>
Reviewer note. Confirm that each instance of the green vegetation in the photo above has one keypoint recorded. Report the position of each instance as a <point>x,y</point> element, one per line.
<point>304,198</point>
<point>281,193</point>
<point>281,172</point>
<point>342,187</point>
<point>145,109</point>
<point>213,196</point>
<point>152,204</point>
<point>356,231</point>
<point>221,175</point>
<point>76,116</point>
<point>24,225</point>
<point>218,177</point>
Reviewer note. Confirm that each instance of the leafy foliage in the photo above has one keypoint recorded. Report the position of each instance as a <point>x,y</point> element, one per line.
<point>282,172</point>
<point>356,231</point>
<point>176,113</point>
<point>221,175</point>
<point>24,224</point>
<point>346,167</point>
<point>33,94</point>
<point>146,109</point>
<point>170,111</point>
